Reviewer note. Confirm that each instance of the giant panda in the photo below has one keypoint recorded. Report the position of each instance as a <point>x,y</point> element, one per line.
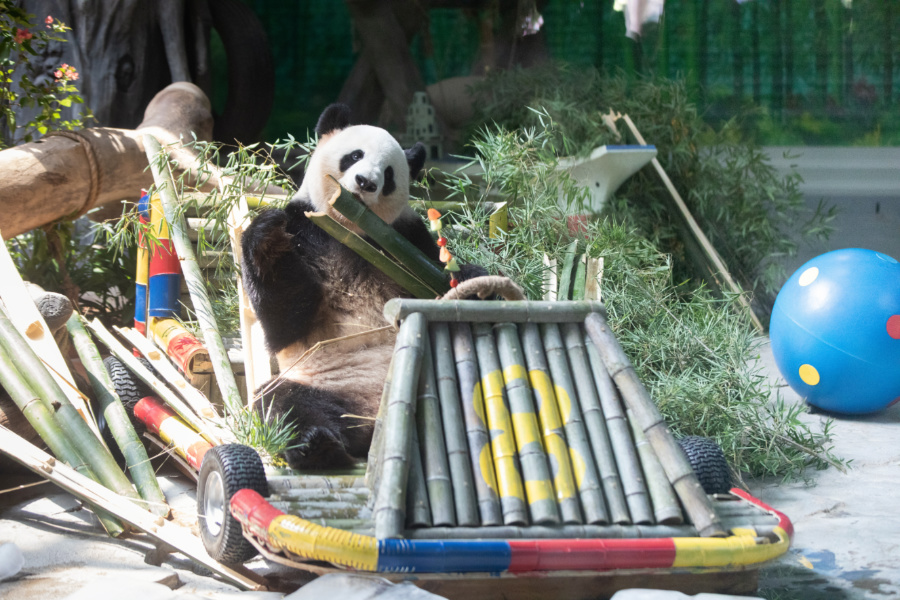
<point>306,287</point>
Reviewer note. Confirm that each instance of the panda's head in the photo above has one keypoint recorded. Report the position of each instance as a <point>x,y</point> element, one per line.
<point>366,160</point>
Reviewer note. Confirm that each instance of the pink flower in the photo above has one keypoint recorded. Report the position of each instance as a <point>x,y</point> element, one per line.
<point>22,35</point>
<point>66,72</point>
<point>48,21</point>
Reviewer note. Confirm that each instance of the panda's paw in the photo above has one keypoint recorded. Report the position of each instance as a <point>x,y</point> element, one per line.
<point>265,241</point>
<point>319,447</point>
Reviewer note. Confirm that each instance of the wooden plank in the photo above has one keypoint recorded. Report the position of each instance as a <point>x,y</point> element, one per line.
<point>257,362</point>
<point>93,493</point>
<point>28,320</point>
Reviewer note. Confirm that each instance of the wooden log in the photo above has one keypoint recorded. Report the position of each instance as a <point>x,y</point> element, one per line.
<point>454,427</point>
<point>476,311</point>
<point>617,498</point>
<point>49,179</point>
<point>390,499</point>
<point>470,393</point>
<point>503,445</point>
<point>535,470</point>
<point>552,429</point>
<point>584,465</point>
<point>165,187</point>
<point>93,493</point>
<point>431,443</point>
<point>648,418</point>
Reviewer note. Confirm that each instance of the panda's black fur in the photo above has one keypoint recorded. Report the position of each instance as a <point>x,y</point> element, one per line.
<point>306,287</point>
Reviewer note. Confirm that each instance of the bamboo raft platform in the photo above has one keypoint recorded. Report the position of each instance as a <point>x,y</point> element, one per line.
<point>513,440</point>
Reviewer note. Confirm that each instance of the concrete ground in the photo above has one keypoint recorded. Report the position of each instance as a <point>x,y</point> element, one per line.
<point>847,541</point>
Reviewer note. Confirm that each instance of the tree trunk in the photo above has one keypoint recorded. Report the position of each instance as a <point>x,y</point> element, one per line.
<point>50,179</point>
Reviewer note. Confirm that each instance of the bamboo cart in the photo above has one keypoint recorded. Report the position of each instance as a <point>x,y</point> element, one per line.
<point>515,454</point>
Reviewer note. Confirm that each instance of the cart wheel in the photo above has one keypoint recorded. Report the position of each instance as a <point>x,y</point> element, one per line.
<point>708,462</point>
<point>226,470</point>
<point>129,388</point>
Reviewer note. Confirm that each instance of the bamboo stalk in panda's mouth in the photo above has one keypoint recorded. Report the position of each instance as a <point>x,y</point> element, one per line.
<point>388,238</point>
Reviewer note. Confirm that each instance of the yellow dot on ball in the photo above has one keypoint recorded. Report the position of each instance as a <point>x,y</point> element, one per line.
<point>809,276</point>
<point>809,375</point>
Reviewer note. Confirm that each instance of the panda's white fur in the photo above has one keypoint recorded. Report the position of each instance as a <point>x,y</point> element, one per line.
<point>365,178</point>
<point>307,289</point>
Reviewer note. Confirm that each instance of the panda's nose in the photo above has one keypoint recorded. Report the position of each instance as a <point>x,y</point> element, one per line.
<point>366,185</point>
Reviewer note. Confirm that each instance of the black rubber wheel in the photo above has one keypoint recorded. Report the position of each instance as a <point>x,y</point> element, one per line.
<point>226,470</point>
<point>129,388</point>
<point>709,463</point>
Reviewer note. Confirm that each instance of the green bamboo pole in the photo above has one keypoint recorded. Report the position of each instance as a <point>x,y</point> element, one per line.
<point>565,275</point>
<point>433,449</point>
<point>617,426</point>
<point>165,187</point>
<point>117,418</point>
<point>636,508</point>
<point>552,429</point>
<point>41,418</point>
<point>72,424</point>
<point>537,532</point>
<point>454,427</point>
<point>400,419</point>
<point>580,281</point>
<point>380,261</point>
<point>629,469</point>
<point>387,237</point>
<point>678,470</point>
<point>279,483</point>
<point>470,392</point>
<point>357,495</point>
<point>586,475</point>
<point>503,444</point>
<point>418,508</point>
<point>535,470</point>
<point>665,504</point>
<point>376,447</point>
<point>135,366</point>
<point>478,311</point>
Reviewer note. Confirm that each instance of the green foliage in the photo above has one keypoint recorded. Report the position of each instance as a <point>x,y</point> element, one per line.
<point>24,84</point>
<point>271,436</point>
<point>742,204</point>
<point>694,352</point>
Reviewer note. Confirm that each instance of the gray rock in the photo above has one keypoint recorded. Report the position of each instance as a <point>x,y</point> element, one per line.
<point>11,560</point>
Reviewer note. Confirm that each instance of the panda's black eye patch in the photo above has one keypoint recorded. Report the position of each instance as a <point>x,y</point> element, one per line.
<point>348,160</point>
<point>389,184</point>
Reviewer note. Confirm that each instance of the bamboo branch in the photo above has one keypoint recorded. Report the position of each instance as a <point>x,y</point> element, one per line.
<point>165,187</point>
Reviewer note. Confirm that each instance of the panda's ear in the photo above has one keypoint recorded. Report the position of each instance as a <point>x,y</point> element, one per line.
<point>333,118</point>
<point>415,157</point>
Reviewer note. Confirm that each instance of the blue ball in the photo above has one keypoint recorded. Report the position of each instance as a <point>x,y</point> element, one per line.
<point>835,331</point>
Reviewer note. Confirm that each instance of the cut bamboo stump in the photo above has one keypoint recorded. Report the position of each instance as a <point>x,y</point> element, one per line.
<point>648,418</point>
